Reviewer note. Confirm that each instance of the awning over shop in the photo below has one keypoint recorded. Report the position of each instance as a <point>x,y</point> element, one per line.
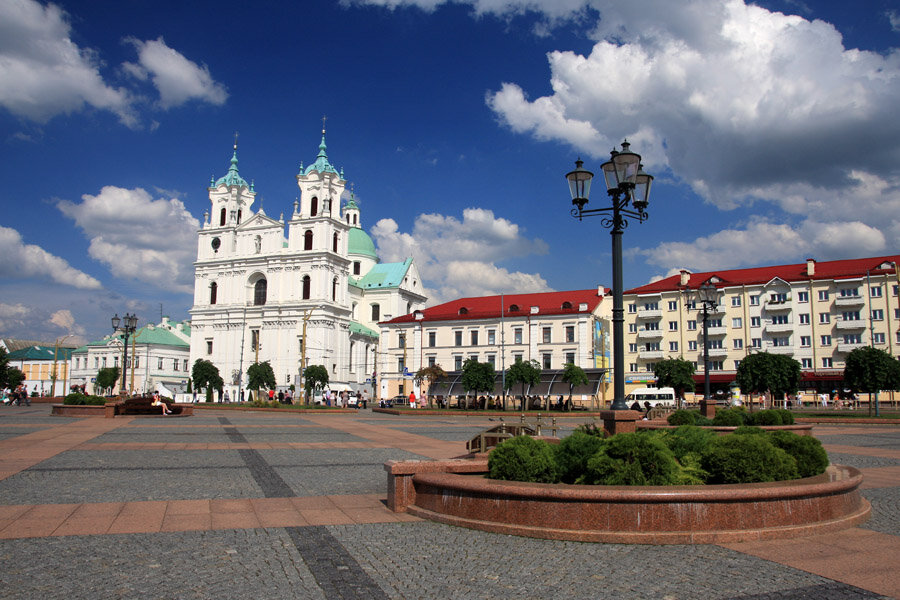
<point>551,383</point>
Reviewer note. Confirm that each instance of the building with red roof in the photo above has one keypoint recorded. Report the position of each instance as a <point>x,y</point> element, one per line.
<point>815,312</point>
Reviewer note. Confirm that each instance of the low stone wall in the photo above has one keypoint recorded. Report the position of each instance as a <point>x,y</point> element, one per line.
<point>455,492</point>
<point>109,410</point>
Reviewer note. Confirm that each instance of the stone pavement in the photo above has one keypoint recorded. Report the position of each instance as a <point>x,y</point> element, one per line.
<point>255,504</point>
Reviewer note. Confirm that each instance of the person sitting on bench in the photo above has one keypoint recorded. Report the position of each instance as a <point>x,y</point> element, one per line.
<point>158,402</point>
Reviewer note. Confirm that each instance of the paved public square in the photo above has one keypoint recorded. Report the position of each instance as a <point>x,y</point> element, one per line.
<point>237,504</point>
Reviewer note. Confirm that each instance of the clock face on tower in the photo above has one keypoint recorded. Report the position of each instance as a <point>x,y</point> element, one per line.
<point>216,242</point>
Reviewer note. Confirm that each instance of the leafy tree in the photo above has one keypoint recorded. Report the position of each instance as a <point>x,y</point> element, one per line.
<point>526,373</point>
<point>431,374</point>
<point>871,370</point>
<point>315,378</point>
<point>477,376</point>
<point>14,377</point>
<point>573,375</point>
<point>763,372</point>
<point>675,373</point>
<point>107,378</point>
<point>4,367</point>
<point>260,375</point>
<point>206,375</point>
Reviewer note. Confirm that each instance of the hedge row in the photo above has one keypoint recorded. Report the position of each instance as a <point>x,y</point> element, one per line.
<point>733,417</point>
<point>688,455</point>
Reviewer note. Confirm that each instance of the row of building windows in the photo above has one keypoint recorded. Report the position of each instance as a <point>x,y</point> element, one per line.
<point>459,359</point>
<point>491,337</point>
<point>134,362</point>
<point>738,322</point>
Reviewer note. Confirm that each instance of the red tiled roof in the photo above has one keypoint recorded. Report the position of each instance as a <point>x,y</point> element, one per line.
<point>835,269</point>
<point>487,307</point>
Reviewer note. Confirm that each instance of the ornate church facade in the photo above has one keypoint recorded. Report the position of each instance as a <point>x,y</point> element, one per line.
<point>314,297</point>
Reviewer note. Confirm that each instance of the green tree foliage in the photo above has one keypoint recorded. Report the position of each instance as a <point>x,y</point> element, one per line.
<point>107,378</point>
<point>14,377</point>
<point>315,378</point>
<point>574,375</point>
<point>871,370</point>
<point>746,459</point>
<point>4,366</point>
<point>205,375</point>
<point>525,373</point>
<point>807,451</point>
<point>573,453</point>
<point>633,459</point>
<point>260,375</point>
<point>523,458</point>
<point>675,373</point>
<point>773,373</point>
<point>478,376</point>
<point>431,374</point>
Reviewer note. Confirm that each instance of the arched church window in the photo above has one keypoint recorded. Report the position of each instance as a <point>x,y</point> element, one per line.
<point>306,287</point>
<point>308,240</point>
<point>258,242</point>
<point>259,292</point>
<point>357,267</point>
<point>354,219</point>
<point>334,243</point>
<point>222,218</point>
<point>376,313</point>
<point>239,217</point>
<point>334,285</point>
<point>314,207</point>
<point>213,290</point>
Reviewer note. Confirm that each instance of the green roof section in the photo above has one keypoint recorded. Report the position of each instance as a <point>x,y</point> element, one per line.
<point>232,177</point>
<point>360,244</point>
<point>149,334</point>
<point>40,353</point>
<point>362,330</point>
<point>321,165</point>
<point>384,276</point>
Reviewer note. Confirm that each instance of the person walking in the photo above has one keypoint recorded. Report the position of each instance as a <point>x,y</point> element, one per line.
<point>412,399</point>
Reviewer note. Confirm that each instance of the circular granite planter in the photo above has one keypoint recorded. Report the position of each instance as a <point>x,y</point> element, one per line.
<point>648,514</point>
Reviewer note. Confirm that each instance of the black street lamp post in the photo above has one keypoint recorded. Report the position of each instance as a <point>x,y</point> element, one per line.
<point>707,296</point>
<point>126,326</point>
<point>629,189</point>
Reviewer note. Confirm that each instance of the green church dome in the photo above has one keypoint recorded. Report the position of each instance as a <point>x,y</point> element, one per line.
<point>361,244</point>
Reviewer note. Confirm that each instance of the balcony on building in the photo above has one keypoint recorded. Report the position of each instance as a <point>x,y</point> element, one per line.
<point>849,301</point>
<point>650,334</point>
<point>777,303</point>
<point>845,348</point>
<point>850,324</point>
<point>779,327</point>
<point>717,331</point>
<point>648,313</point>
<point>718,352</point>
<point>651,354</point>
<point>789,350</point>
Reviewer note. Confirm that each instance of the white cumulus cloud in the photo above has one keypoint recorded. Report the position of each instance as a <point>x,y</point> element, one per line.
<point>459,257</point>
<point>27,261</point>
<point>138,237</point>
<point>176,78</point>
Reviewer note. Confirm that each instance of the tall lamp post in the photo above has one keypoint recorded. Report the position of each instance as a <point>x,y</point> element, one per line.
<point>126,326</point>
<point>629,189</point>
<point>707,296</point>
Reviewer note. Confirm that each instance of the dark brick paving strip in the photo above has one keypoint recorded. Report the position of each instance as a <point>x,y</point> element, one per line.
<point>335,570</point>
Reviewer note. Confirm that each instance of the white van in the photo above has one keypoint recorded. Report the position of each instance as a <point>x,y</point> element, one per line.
<point>655,396</point>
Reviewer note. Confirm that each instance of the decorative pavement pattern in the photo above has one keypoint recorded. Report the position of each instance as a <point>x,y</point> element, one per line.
<point>254,504</point>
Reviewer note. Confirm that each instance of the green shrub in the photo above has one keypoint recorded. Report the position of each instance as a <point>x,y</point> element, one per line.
<point>746,459</point>
<point>749,430</point>
<point>787,417</point>
<point>633,459</point>
<point>683,417</point>
<point>77,398</point>
<point>688,439</point>
<point>765,417</point>
<point>808,451</point>
<point>591,429</point>
<point>523,458</point>
<point>573,452</point>
<point>729,417</point>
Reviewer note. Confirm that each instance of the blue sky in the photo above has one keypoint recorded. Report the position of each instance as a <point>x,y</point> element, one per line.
<point>772,130</point>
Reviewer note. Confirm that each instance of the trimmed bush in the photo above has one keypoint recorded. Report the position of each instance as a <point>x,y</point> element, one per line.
<point>729,417</point>
<point>749,430</point>
<point>591,429</point>
<point>573,452</point>
<point>684,417</point>
<point>746,459</point>
<point>765,417</point>
<point>688,439</point>
<point>807,451</point>
<point>523,458</point>
<point>77,398</point>
<point>633,459</point>
<point>787,417</point>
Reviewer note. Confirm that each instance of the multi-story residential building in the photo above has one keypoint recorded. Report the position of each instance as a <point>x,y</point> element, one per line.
<point>553,328</point>
<point>815,312</point>
<point>311,298</point>
<point>158,359</point>
<point>46,368</point>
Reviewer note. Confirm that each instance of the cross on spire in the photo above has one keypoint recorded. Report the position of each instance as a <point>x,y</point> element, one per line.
<point>324,118</point>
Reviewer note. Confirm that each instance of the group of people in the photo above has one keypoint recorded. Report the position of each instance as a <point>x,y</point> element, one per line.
<point>17,396</point>
<point>345,398</point>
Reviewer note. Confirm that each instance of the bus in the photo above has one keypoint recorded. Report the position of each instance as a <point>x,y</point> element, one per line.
<point>654,396</point>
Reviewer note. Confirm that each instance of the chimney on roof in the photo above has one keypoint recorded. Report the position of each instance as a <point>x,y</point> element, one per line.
<point>601,292</point>
<point>810,267</point>
<point>685,277</point>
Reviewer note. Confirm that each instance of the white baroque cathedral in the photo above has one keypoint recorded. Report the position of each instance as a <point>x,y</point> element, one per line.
<point>312,298</point>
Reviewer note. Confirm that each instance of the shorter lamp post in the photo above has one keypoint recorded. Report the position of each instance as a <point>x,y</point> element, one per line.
<point>126,326</point>
<point>629,190</point>
<point>707,296</point>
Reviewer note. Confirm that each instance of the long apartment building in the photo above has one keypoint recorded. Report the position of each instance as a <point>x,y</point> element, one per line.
<point>814,312</point>
<point>552,328</point>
